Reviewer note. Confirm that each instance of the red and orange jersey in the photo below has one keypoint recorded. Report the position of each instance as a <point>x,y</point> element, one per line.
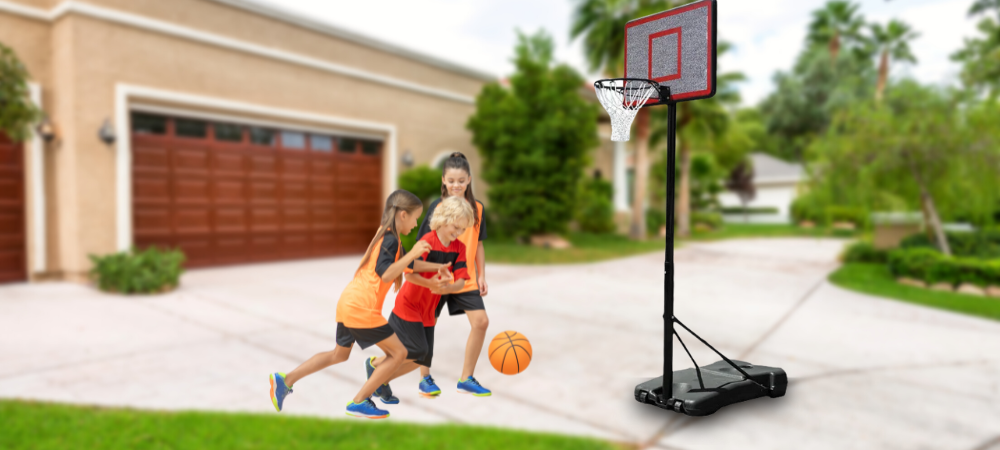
<point>417,303</point>
<point>360,305</point>
<point>470,238</point>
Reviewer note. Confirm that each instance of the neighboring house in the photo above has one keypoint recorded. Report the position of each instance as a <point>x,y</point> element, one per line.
<point>776,183</point>
<point>236,131</point>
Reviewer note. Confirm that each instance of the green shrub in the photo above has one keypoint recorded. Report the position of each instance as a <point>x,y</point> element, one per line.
<point>655,219</point>
<point>748,210</point>
<point>984,244</point>
<point>836,214</point>
<point>595,210</point>
<point>712,219</point>
<point>422,181</point>
<point>865,252</point>
<point>805,208</point>
<point>146,271</point>
<point>933,267</point>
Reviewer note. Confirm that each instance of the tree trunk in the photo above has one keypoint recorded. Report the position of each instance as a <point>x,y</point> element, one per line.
<point>927,203</point>
<point>638,229</point>
<point>684,202</point>
<point>835,46</point>
<point>883,76</point>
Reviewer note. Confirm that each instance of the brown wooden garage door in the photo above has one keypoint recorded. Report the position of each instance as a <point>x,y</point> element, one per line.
<point>13,257</point>
<point>228,193</point>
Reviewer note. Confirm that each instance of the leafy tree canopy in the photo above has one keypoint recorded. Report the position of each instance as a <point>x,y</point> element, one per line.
<point>17,112</point>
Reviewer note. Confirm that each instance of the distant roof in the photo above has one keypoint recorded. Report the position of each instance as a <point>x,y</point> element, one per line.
<point>769,168</point>
<point>272,10</point>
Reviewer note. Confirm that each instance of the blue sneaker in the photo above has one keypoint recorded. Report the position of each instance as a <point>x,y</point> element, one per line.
<point>428,388</point>
<point>366,409</point>
<point>384,392</point>
<point>471,386</point>
<point>279,390</point>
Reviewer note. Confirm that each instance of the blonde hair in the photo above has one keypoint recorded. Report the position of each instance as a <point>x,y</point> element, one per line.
<point>399,200</point>
<point>453,210</point>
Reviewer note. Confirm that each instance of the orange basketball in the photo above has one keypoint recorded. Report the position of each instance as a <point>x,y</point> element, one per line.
<point>510,353</point>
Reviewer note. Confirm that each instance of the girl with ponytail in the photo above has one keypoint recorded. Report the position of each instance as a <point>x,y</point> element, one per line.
<point>456,181</point>
<point>359,310</point>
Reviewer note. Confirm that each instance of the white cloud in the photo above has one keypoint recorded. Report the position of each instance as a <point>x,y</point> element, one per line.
<point>767,34</point>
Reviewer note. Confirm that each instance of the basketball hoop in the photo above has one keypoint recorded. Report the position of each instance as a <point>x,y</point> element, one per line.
<point>622,98</point>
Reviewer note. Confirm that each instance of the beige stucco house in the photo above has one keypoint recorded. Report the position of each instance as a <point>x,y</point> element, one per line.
<point>236,131</point>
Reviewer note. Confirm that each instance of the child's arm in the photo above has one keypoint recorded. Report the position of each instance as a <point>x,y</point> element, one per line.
<point>420,266</point>
<point>454,287</point>
<point>398,267</point>
<point>435,284</point>
<point>481,268</point>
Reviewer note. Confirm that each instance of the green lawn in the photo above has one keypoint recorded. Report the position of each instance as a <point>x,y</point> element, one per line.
<point>586,248</point>
<point>875,279</point>
<point>739,230</point>
<point>31,425</point>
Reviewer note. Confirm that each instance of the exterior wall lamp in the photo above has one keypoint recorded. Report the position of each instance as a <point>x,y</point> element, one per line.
<point>107,132</point>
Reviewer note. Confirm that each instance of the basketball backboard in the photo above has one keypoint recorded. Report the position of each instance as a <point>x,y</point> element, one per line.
<point>675,48</point>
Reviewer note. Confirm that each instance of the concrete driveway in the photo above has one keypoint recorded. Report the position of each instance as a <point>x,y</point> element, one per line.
<point>864,372</point>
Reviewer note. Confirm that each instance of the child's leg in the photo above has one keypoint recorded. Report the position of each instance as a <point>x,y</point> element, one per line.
<point>403,369</point>
<point>395,355</point>
<point>474,346</point>
<point>424,371</point>
<point>318,362</point>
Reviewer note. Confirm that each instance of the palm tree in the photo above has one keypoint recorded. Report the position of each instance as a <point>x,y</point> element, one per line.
<point>834,25</point>
<point>602,25</point>
<point>892,42</point>
<point>701,120</point>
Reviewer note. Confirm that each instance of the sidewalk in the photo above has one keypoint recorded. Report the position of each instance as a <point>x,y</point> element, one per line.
<point>864,372</point>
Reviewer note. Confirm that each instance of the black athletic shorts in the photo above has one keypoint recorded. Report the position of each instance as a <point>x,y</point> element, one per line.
<point>460,303</point>
<point>418,339</point>
<point>366,337</point>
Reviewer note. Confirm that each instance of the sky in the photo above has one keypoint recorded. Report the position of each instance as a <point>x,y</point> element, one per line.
<point>766,34</point>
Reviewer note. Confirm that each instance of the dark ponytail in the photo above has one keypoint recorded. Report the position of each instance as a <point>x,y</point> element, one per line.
<point>458,161</point>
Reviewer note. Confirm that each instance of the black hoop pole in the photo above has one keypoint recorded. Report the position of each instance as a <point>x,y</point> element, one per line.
<point>668,265</point>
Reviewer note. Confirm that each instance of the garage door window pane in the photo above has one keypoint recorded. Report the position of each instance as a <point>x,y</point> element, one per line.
<point>261,136</point>
<point>321,143</point>
<point>148,124</point>
<point>293,139</point>
<point>348,145</point>
<point>371,147</point>
<point>228,132</point>
<point>191,128</point>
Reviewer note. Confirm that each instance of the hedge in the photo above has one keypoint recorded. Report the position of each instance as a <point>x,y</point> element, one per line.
<point>865,252</point>
<point>933,267</point>
<point>984,244</point>
<point>146,271</point>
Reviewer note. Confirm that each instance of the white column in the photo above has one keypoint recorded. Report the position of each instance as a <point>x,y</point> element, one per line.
<point>38,187</point>
<point>620,178</point>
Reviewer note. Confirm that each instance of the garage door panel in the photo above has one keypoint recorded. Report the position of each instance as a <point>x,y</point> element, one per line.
<point>265,220</point>
<point>152,222</point>
<point>295,193</point>
<point>263,192</point>
<point>192,191</point>
<point>226,202</point>
<point>229,192</point>
<point>191,161</point>
<point>226,163</point>
<point>13,253</point>
<point>229,220</point>
<point>192,220</point>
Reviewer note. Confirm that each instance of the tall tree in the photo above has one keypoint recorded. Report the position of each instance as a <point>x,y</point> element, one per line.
<point>602,25</point>
<point>980,56</point>
<point>919,147</point>
<point>835,25</point>
<point>534,138</point>
<point>17,112</point>
<point>892,42</point>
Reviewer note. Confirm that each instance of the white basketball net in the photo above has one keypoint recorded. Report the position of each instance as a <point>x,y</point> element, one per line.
<point>622,99</point>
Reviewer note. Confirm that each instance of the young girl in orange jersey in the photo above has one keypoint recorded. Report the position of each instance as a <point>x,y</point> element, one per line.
<point>359,310</point>
<point>456,181</point>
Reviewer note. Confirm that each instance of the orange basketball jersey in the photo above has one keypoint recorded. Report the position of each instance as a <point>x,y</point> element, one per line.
<point>470,238</point>
<point>360,305</point>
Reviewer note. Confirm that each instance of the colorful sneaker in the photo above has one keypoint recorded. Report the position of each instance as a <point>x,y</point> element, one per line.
<point>384,392</point>
<point>279,390</point>
<point>366,409</point>
<point>428,388</point>
<point>471,386</point>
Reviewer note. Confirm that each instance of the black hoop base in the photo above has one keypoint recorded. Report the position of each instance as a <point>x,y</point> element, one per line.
<point>724,386</point>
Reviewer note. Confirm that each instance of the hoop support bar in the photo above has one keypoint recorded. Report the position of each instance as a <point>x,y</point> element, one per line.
<point>668,265</point>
